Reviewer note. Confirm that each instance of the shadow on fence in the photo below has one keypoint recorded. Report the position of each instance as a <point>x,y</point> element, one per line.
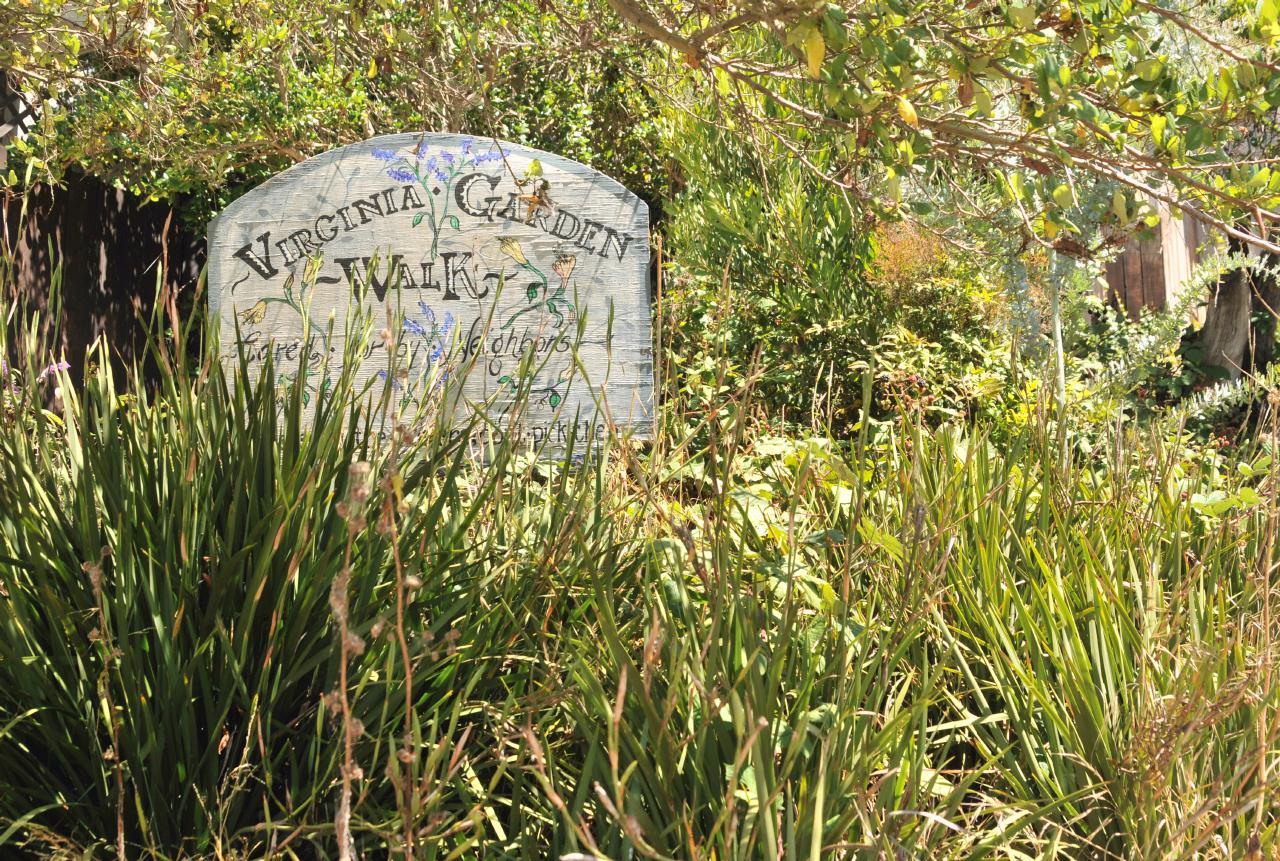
<point>111,247</point>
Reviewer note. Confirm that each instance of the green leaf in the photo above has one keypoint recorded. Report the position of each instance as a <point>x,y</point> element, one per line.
<point>907,112</point>
<point>1249,496</point>
<point>1120,206</point>
<point>1148,70</point>
<point>1016,186</point>
<point>1158,123</point>
<point>815,51</point>
<point>1023,16</point>
<point>982,101</point>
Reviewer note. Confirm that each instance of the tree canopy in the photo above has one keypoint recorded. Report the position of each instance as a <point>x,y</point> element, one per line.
<point>1164,98</point>
<point>1167,100</point>
<point>185,97</point>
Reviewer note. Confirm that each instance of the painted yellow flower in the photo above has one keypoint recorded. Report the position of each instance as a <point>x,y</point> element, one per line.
<point>256,313</point>
<point>564,265</point>
<point>511,248</point>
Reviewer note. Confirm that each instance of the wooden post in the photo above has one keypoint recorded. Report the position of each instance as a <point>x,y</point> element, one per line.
<point>1154,273</point>
<point>6,127</point>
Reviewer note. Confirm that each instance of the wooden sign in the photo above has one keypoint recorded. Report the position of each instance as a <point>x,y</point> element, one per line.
<point>494,256</point>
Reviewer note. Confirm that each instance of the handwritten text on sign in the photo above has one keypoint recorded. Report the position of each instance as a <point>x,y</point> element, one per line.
<point>491,252</point>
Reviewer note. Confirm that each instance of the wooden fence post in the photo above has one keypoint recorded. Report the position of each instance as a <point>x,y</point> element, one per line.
<point>1154,273</point>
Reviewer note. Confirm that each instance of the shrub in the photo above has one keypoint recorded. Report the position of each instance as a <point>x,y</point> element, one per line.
<point>775,270</point>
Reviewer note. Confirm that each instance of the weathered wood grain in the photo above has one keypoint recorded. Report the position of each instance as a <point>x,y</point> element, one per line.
<point>485,257</point>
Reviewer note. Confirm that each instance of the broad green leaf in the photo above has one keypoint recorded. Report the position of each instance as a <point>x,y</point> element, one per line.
<point>815,50</point>
<point>907,112</point>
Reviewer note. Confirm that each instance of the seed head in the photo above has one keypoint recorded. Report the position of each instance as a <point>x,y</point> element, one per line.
<point>355,645</point>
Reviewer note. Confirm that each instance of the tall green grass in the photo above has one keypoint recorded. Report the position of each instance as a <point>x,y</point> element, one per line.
<point>222,635</point>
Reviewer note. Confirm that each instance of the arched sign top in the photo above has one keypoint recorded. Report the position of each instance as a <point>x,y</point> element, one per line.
<point>505,250</point>
<point>517,159</point>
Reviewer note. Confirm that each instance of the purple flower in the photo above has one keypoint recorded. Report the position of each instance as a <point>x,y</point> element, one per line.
<point>441,175</point>
<point>466,145</point>
<point>422,149</point>
<point>413,327</point>
<point>431,163</point>
<point>53,369</point>
<point>401,175</point>
<point>448,157</point>
<point>426,309</point>
<point>384,154</point>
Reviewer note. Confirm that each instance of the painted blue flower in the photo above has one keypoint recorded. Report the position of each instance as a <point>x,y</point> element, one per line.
<point>441,175</point>
<point>401,175</point>
<point>444,330</point>
<point>426,309</point>
<point>385,154</point>
<point>413,327</point>
<point>395,384</point>
<point>466,145</point>
<point>422,149</point>
<point>431,163</point>
<point>448,157</point>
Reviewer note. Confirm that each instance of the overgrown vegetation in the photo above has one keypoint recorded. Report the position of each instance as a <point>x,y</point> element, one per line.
<point>912,643</point>
<point>933,554</point>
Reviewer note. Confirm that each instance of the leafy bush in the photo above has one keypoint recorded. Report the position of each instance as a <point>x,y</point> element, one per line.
<point>203,104</point>
<point>770,266</point>
<point>778,275</point>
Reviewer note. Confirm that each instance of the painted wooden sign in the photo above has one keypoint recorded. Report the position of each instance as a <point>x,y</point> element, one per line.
<point>493,254</point>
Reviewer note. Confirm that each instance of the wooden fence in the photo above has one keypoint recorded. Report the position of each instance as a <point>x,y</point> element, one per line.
<point>1152,273</point>
<point>107,248</point>
<point>16,116</point>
